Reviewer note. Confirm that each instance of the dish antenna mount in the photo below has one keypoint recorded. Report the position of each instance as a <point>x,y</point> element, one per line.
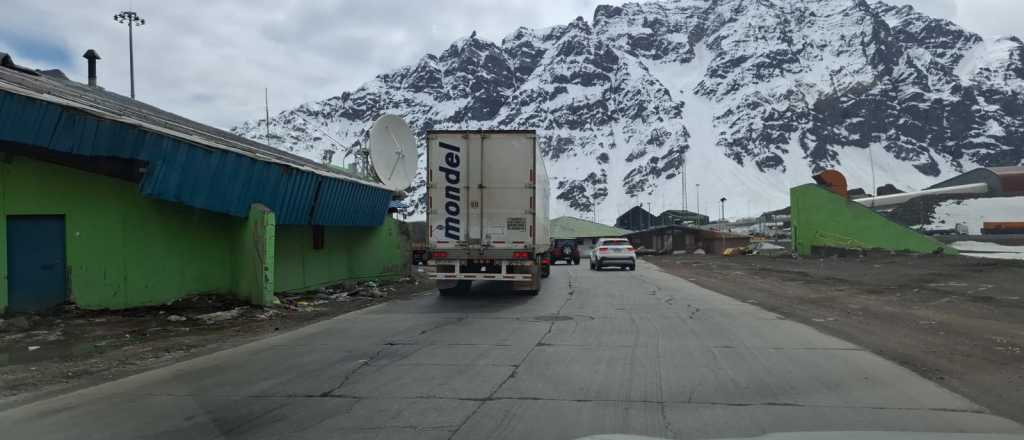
<point>393,152</point>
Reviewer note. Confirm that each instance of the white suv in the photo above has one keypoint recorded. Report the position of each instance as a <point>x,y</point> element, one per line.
<point>613,252</point>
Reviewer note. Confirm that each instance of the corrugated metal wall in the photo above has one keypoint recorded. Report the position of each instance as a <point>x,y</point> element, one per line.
<point>179,171</point>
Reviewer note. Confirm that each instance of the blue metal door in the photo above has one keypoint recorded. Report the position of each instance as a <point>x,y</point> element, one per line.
<point>35,262</point>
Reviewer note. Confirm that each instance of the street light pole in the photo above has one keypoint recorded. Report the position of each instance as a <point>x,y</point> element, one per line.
<point>132,20</point>
<point>723,209</point>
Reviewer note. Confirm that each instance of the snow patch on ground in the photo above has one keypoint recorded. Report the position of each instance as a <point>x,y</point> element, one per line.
<point>980,249</point>
<point>1019,256</point>
<point>975,212</point>
<point>981,246</point>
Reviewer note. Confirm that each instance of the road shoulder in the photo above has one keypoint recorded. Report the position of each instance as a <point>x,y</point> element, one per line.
<point>74,349</point>
<point>956,321</point>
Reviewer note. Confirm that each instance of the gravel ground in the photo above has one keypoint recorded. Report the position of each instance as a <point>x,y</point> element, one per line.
<point>44,354</point>
<point>958,321</point>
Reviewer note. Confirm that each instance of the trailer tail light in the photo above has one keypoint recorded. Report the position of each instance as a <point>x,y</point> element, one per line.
<point>520,255</point>
<point>439,255</point>
<point>430,202</point>
<point>602,250</point>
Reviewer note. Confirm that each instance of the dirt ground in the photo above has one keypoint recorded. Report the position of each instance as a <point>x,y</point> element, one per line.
<point>70,347</point>
<point>958,321</point>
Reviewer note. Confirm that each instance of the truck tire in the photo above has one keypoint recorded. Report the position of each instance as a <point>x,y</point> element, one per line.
<point>461,288</point>
<point>449,292</point>
<point>576,261</point>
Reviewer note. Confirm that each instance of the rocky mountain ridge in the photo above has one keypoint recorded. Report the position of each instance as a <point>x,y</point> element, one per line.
<point>756,95</point>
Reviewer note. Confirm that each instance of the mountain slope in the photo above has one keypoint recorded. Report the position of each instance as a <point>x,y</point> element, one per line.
<point>755,94</point>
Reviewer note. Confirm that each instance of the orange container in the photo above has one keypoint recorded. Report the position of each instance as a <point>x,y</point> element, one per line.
<point>1004,226</point>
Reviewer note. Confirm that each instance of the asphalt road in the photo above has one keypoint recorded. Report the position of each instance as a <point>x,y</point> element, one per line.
<point>595,352</point>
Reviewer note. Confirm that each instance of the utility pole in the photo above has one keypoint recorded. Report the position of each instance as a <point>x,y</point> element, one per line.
<point>698,204</point>
<point>649,213</point>
<point>682,174</point>
<point>874,187</point>
<point>132,20</point>
<point>721,227</point>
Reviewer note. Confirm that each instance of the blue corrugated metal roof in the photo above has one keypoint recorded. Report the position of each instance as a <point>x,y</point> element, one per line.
<point>197,165</point>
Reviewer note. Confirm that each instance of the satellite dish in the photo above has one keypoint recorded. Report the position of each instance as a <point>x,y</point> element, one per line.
<point>393,152</point>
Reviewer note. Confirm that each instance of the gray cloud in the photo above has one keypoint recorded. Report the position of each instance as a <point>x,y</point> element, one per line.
<point>986,17</point>
<point>210,59</point>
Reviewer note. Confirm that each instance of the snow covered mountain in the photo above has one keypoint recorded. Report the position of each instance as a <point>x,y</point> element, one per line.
<point>756,95</point>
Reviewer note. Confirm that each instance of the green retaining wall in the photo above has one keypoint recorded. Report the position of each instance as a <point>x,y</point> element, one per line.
<point>348,254</point>
<point>125,250</point>
<point>821,218</point>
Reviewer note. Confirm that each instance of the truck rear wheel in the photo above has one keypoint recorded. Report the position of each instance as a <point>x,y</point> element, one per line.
<point>460,288</point>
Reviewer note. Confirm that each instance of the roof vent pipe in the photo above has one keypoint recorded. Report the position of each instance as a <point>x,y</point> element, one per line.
<point>92,56</point>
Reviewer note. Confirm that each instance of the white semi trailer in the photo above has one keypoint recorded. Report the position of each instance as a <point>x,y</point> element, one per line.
<point>487,209</point>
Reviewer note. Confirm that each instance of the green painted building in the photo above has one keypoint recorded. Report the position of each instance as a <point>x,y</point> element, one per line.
<point>110,203</point>
<point>823,220</point>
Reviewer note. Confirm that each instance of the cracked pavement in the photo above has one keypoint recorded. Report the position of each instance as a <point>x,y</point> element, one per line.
<point>596,352</point>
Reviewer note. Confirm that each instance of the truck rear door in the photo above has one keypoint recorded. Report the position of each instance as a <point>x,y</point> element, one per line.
<point>507,193</point>
<point>481,189</point>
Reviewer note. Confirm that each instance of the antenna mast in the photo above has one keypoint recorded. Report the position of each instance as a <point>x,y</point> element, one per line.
<point>266,107</point>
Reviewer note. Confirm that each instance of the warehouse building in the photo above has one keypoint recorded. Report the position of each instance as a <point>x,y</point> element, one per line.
<point>1002,181</point>
<point>636,219</point>
<point>108,202</point>
<point>681,217</point>
<point>688,239</point>
<point>584,232</point>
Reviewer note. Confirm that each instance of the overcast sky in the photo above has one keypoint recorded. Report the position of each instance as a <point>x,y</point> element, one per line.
<point>211,59</point>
